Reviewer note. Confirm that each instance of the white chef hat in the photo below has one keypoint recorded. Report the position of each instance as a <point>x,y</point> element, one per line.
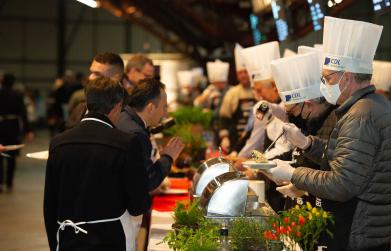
<point>198,74</point>
<point>318,46</point>
<point>239,62</point>
<point>381,76</point>
<point>258,58</point>
<point>297,77</point>
<point>185,78</point>
<point>349,45</point>
<point>288,53</point>
<point>217,71</point>
<point>306,49</point>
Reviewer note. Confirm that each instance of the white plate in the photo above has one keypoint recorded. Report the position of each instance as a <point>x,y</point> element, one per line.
<point>13,147</point>
<point>175,191</point>
<point>39,155</point>
<point>265,166</point>
<point>256,165</point>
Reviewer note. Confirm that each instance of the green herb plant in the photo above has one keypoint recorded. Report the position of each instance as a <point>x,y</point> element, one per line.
<point>246,234</point>
<point>192,231</point>
<point>189,216</point>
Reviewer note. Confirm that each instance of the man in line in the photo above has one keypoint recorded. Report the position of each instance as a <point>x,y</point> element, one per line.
<point>138,68</point>
<point>146,108</point>
<point>105,64</point>
<point>95,178</point>
<point>355,172</point>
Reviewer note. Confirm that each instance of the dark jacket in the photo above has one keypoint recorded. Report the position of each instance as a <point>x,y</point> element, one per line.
<point>130,122</point>
<point>94,172</point>
<point>358,167</point>
<point>13,117</point>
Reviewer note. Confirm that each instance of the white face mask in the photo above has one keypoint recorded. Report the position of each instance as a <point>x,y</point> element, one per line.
<point>331,92</point>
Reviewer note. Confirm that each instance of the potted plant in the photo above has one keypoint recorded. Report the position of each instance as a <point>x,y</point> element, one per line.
<point>190,125</point>
<point>246,234</point>
<point>187,215</point>
<point>191,231</point>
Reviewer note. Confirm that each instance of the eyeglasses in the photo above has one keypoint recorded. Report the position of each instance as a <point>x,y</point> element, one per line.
<point>323,78</point>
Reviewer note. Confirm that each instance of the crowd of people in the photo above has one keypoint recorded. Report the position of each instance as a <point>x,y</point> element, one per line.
<point>318,107</point>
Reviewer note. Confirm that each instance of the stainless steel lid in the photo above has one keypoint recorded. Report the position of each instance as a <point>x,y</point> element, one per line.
<point>225,195</point>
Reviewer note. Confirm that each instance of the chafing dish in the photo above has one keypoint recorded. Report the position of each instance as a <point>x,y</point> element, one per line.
<point>225,195</point>
<point>207,171</point>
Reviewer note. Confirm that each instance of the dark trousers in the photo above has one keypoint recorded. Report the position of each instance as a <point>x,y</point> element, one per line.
<point>10,166</point>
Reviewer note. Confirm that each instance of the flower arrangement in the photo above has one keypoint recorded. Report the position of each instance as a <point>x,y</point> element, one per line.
<point>301,224</point>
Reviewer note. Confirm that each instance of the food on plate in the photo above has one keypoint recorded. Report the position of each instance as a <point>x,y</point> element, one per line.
<point>258,157</point>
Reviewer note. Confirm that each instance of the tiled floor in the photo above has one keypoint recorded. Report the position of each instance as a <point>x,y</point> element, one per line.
<point>21,216</point>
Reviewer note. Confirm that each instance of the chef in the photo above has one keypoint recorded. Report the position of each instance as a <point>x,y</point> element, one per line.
<point>238,101</point>
<point>257,60</point>
<point>213,95</point>
<point>297,80</point>
<point>186,83</point>
<point>354,178</point>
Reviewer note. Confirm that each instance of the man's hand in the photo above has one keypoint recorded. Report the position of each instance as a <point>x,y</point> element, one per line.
<point>295,136</point>
<point>2,148</point>
<point>173,148</point>
<point>291,191</point>
<point>282,172</point>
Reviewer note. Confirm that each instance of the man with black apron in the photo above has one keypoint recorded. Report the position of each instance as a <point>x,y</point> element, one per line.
<point>238,101</point>
<point>95,178</point>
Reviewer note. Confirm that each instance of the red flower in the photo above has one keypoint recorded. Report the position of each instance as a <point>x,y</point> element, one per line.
<point>293,224</point>
<point>301,220</point>
<point>282,230</point>
<point>289,229</point>
<point>286,220</point>
<point>298,234</point>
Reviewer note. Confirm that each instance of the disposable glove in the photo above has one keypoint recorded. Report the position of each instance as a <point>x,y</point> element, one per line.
<point>282,172</point>
<point>273,109</point>
<point>291,191</point>
<point>295,136</point>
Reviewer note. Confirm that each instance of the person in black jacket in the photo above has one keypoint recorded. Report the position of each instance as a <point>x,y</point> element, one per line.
<point>146,108</point>
<point>13,126</point>
<point>95,178</point>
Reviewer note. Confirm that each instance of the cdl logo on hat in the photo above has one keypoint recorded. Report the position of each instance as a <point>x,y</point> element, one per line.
<point>332,61</point>
<point>293,96</point>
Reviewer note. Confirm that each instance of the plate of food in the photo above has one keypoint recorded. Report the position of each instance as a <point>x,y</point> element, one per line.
<point>258,160</point>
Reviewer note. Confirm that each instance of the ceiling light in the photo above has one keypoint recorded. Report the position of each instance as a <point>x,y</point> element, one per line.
<point>91,3</point>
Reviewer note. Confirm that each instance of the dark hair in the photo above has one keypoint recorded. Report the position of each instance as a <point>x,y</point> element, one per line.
<point>362,77</point>
<point>109,58</point>
<point>137,61</point>
<point>8,80</point>
<point>148,90</point>
<point>102,94</point>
